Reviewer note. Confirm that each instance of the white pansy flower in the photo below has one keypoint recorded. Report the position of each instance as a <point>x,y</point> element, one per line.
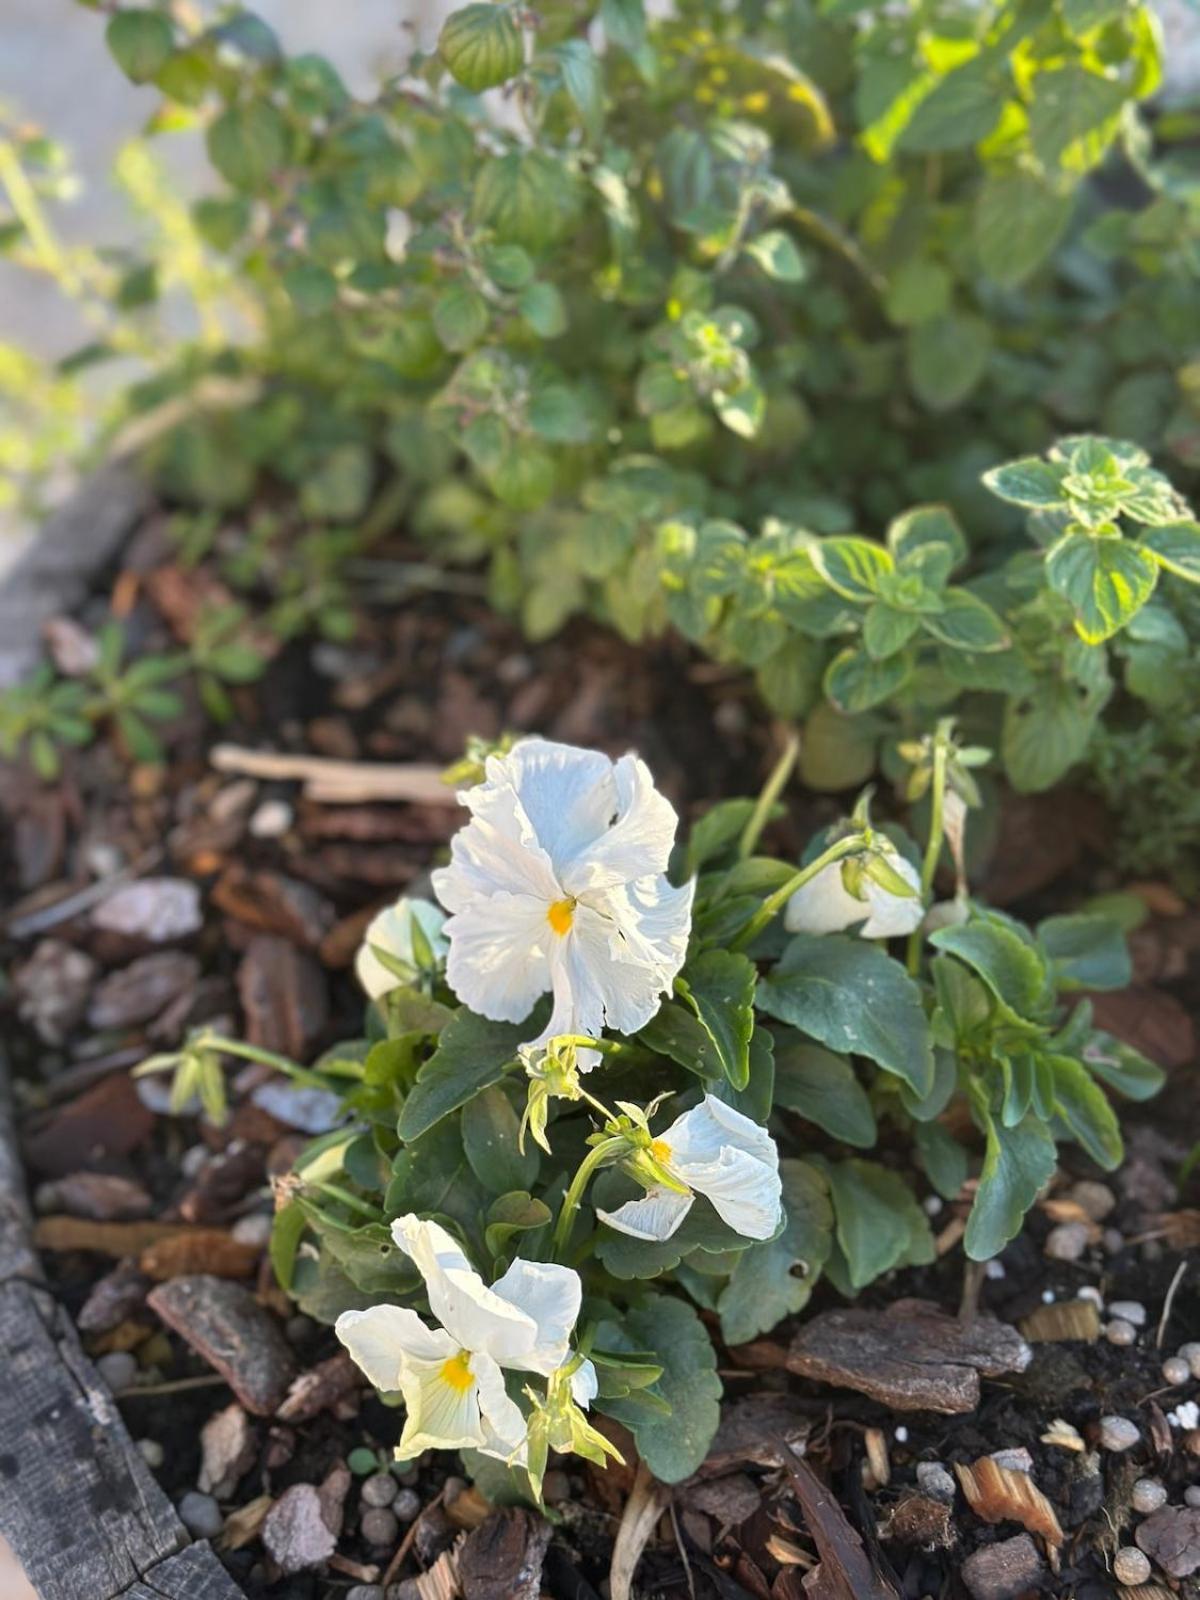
<point>715,1151</point>
<point>452,1377</point>
<point>825,905</point>
<point>392,931</point>
<point>557,882</point>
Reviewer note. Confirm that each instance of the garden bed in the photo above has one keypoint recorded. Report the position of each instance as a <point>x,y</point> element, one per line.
<point>243,899</point>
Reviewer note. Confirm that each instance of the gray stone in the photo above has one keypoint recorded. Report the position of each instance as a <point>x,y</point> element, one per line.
<point>1129,1311</point>
<point>1147,1495</point>
<point>201,1515</point>
<point>407,1505</point>
<point>1131,1567</point>
<point>379,1489</point>
<point>380,1527</point>
<point>1067,1241</point>
<point>1096,1199</point>
<point>936,1481</point>
<point>118,1368</point>
<point>1004,1571</point>
<point>295,1532</point>
<point>1118,1433</point>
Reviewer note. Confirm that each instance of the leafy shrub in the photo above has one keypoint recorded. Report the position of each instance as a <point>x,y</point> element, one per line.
<point>530,1144</point>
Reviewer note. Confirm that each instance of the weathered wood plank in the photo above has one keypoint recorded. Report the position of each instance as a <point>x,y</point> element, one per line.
<point>17,1256</point>
<point>193,1574</point>
<point>56,571</point>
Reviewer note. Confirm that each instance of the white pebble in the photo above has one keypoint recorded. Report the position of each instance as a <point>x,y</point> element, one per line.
<point>1067,1241</point>
<point>1176,1370</point>
<point>118,1368</point>
<point>1185,1416</point>
<point>901,1435</point>
<point>1119,1331</point>
<point>1090,1292</point>
<point>255,1230</point>
<point>1118,1433</point>
<point>1191,1495</point>
<point>1191,1354</point>
<point>1129,1311</point>
<point>1016,1459</point>
<point>1130,1566</point>
<point>152,1453</point>
<point>994,1270</point>
<point>272,819</point>
<point>932,1205</point>
<point>1147,1495</point>
<point>1048,1297</point>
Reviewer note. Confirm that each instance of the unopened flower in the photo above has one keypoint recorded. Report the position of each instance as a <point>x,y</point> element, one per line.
<point>558,883</point>
<point>864,889</point>
<point>398,942</point>
<point>553,1070</point>
<point>557,1421</point>
<point>451,1377</point>
<point>711,1150</point>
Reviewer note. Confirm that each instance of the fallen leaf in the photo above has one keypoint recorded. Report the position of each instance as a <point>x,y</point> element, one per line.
<point>192,1250</point>
<point>998,1494</point>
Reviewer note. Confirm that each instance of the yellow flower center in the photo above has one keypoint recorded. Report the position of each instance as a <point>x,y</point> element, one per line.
<point>661,1151</point>
<point>561,915</point>
<point>457,1371</point>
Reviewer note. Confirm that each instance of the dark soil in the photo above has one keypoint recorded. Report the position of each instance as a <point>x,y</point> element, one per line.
<point>420,678</point>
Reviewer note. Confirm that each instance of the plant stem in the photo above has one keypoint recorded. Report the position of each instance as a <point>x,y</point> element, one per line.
<point>591,1163</point>
<point>269,1058</point>
<point>774,903</point>
<point>771,791</point>
<point>933,849</point>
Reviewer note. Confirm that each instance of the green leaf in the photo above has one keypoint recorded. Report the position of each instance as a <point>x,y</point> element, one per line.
<point>777,254</point>
<point>743,409</point>
<point>472,1054</point>
<point>1074,115</point>
<point>1083,1105</point>
<point>1107,580</point>
<point>1019,221</point>
<point>141,42</point>
<point>774,1278</point>
<point>822,1087</point>
<point>1046,733</point>
<point>1086,951</point>
<point>947,357</point>
<point>248,144</point>
<point>918,290</point>
<point>1029,482</point>
<point>529,197</point>
<point>837,752</point>
<point>583,81</point>
<point>717,831</point>
<point>482,46</point>
<point>966,623</point>
<point>433,1176</point>
<point>886,630</point>
<point>672,1446</point>
<point>960,111</point>
<point>790,679</point>
<point>508,266</point>
<point>629,1258</point>
<point>879,1223</point>
<point>490,1130</point>
<point>561,414</point>
<point>851,567</point>
<point>542,307</point>
<point>1176,546</point>
<point>511,1214</point>
<point>676,1032</point>
<point>854,682</point>
<point>911,535</point>
<point>943,1158</point>
<point>1013,970</point>
<point>460,316</point>
<point>1122,1067</point>
<point>719,986</point>
<point>1017,1162</point>
<point>852,997</point>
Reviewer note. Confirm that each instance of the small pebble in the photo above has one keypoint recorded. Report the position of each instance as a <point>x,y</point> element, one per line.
<point>1191,1354</point>
<point>299,1328</point>
<point>193,1160</point>
<point>1147,1495</point>
<point>935,1481</point>
<point>1191,1495</point>
<point>271,820</point>
<point>932,1205</point>
<point>1113,1241</point>
<point>118,1368</point>
<point>1096,1199</point>
<point>1176,1370</point>
<point>452,1488</point>
<point>994,1270</point>
<point>901,1435</point>
<point>407,1505</point>
<point>1067,1241</point>
<point>152,1453</point>
<point>379,1489</point>
<point>365,1591</point>
<point>1186,1415</point>
<point>255,1230</point>
<point>1090,1292</point>
<point>1119,1331</point>
<point>1016,1459</point>
<point>1131,1566</point>
<point>1129,1311</point>
<point>380,1527</point>
<point>1118,1433</point>
<point>1048,1297</point>
<point>201,1515</point>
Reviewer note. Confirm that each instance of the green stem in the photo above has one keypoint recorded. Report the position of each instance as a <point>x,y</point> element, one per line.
<point>933,849</point>
<point>774,903</point>
<point>336,1192</point>
<point>591,1163</point>
<point>269,1058</point>
<point>771,791</point>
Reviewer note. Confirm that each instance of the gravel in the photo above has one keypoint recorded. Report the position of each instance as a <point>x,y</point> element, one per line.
<point>407,1505</point>
<point>1129,1311</point>
<point>201,1515</point>
<point>1067,1241</point>
<point>1131,1567</point>
<point>1118,1331</point>
<point>936,1481</point>
<point>118,1368</point>
<point>1147,1495</point>
<point>380,1527</point>
<point>1176,1370</point>
<point>1118,1433</point>
<point>379,1490</point>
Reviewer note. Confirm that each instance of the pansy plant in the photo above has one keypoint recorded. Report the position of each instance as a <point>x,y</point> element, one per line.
<point>632,1077</point>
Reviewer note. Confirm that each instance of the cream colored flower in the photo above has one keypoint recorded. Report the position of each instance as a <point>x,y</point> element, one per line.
<point>392,932</point>
<point>715,1151</point>
<point>558,883</point>
<point>825,905</point>
<point>452,1377</point>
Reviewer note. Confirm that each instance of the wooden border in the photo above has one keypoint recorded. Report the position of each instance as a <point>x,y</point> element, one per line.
<point>78,1504</point>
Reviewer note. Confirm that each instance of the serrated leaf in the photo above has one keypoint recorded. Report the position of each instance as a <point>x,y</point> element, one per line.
<point>774,1278</point>
<point>1086,951</point>
<point>1029,482</point>
<point>966,623</point>
<point>886,630</point>
<point>779,256</point>
<point>1046,733</point>
<point>1176,546</point>
<point>1107,581</point>
<point>1014,971</point>
<point>583,81</point>
<point>911,535</point>
<point>1019,220</point>
<point>1122,1067</point>
<point>821,1087</point>
<point>1083,1106</point>
<point>960,111</point>
<point>672,1446</point>
<point>1074,115</point>
<point>851,567</point>
<point>248,144</point>
<point>529,197</point>
<point>879,1223</point>
<point>947,358</point>
<point>854,682</point>
<point>851,996</point>
<point>482,46</point>
<point>460,316</point>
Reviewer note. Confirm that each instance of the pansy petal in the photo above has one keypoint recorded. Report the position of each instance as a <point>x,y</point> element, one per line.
<point>474,1316</point>
<point>568,794</point>
<point>701,1134</point>
<point>746,1193</point>
<point>894,915</point>
<point>585,1385</point>
<point>442,1415</point>
<point>497,963</point>
<point>392,930</point>
<point>656,1216</point>
<point>504,1427</point>
<point>382,1339</point>
<point>497,852</point>
<point>637,845</point>
<point>824,904</point>
<point>551,1295</point>
<point>623,979</point>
